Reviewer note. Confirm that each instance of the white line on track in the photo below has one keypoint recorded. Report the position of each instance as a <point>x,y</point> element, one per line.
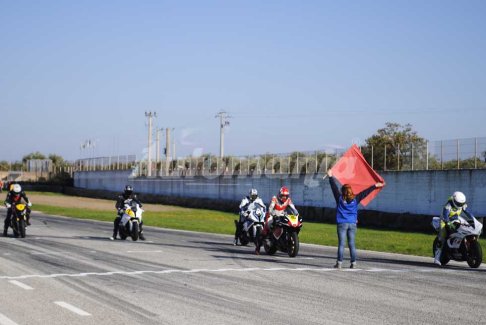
<point>144,251</point>
<point>182,271</point>
<point>20,284</point>
<point>4,320</point>
<point>69,307</point>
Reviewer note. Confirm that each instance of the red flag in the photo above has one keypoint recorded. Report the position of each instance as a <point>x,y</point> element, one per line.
<point>353,169</point>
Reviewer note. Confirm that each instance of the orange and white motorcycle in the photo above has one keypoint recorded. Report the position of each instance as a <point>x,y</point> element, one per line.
<point>283,235</point>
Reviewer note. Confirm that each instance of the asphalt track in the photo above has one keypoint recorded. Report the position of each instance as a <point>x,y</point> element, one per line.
<point>67,272</point>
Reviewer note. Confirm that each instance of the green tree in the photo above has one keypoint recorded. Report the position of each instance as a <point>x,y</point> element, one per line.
<point>57,160</point>
<point>4,165</point>
<point>33,155</point>
<point>397,142</point>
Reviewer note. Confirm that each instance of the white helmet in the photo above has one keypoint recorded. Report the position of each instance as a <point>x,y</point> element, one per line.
<point>253,194</point>
<point>458,199</point>
<point>16,189</point>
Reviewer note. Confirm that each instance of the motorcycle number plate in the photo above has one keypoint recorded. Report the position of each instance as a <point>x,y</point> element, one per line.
<point>293,219</point>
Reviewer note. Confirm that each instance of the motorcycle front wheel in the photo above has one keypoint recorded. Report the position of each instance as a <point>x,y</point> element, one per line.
<point>293,244</point>
<point>135,231</point>
<point>475,256</point>
<point>21,225</point>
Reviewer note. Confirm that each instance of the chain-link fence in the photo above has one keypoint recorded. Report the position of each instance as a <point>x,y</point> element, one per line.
<point>210,165</point>
<point>428,155</point>
<point>106,163</point>
<point>423,155</point>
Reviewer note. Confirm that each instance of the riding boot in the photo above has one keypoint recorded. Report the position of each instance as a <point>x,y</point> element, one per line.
<point>27,222</point>
<point>116,225</point>
<point>438,252</point>
<point>5,232</point>
<point>141,236</point>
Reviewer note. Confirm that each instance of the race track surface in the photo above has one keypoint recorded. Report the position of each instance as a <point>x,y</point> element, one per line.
<point>67,271</point>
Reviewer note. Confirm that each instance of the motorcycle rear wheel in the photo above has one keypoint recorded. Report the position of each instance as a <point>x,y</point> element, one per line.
<point>243,241</point>
<point>475,258</point>
<point>123,235</point>
<point>293,244</point>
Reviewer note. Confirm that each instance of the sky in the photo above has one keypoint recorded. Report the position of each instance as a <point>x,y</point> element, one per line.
<point>293,75</point>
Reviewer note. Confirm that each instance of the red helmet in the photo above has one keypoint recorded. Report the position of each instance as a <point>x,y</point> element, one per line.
<point>284,193</point>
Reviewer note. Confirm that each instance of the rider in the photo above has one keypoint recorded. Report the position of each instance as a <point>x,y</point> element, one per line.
<point>453,208</point>
<point>15,196</point>
<point>244,212</point>
<point>279,205</point>
<point>120,202</point>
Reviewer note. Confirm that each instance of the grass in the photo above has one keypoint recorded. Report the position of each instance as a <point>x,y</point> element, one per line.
<point>222,223</point>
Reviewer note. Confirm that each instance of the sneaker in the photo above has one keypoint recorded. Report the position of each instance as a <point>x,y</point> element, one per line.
<point>353,265</point>
<point>338,265</point>
<point>112,238</point>
<point>235,242</point>
<point>437,262</point>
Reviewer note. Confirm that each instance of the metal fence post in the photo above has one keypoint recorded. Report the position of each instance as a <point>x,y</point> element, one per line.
<point>398,157</point>
<point>412,154</point>
<point>372,165</point>
<point>384,161</point>
<point>441,155</point>
<point>427,155</point>
<point>297,164</point>
<point>458,163</point>
<point>475,153</point>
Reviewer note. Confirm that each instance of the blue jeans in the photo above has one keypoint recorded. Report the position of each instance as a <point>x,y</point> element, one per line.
<point>346,230</point>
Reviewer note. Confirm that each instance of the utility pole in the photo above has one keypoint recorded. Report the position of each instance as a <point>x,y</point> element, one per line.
<point>223,122</point>
<point>174,156</point>
<point>167,150</point>
<point>150,115</point>
<point>158,144</point>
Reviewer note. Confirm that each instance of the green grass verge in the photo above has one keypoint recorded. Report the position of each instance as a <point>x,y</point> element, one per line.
<point>222,223</point>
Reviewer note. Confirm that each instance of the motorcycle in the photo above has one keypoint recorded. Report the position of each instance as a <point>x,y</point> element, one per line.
<point>462,243</point>
<point>130,221</point>
<point>253,225</point>
<point>284,236</point>
<point>18,220</point>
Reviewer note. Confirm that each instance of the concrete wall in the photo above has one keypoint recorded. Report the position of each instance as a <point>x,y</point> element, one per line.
<point>416,193</point>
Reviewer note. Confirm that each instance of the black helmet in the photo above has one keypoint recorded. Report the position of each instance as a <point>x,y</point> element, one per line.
<point>128,190</point>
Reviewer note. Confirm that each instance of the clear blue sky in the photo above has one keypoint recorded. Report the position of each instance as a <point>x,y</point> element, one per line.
<point>296,75</point>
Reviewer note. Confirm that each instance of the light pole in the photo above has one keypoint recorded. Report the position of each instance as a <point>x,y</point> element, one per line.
<point>150,115</point>
<point>223,122</point>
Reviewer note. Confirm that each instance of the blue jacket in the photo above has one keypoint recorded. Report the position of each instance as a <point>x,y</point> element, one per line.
<point>347,212</point>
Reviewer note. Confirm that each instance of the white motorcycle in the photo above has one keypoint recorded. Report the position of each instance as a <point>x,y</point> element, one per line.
<point>131,220</point>
<point>462,243</point>
<point>252,227</point>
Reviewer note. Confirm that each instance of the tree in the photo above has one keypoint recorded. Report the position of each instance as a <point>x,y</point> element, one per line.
<point>57,160</point>
<point>394,146</point>
<point>4,165</point>
<point>33,155</point>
